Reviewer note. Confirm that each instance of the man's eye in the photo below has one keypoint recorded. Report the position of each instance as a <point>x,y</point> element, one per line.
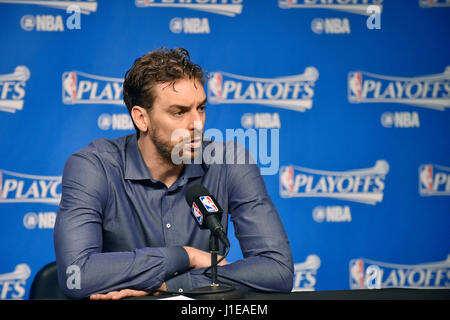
<point>179,113</point>
<point>202,108</point>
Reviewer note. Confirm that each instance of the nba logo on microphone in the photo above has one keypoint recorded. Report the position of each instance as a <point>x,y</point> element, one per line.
<point>197,213</point>
<point>209,204</point>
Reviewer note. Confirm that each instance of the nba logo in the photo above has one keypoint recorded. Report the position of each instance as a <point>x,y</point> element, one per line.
<point>142,3</point>
<point>197,214</point>
<point>354,86</point>
<point>285,3</point>
<point>69,87</point>
<point>357,274</point>
<point>426,179</point>
<point>287,181</point>
<point>209,204</point>
<point>215,87</point>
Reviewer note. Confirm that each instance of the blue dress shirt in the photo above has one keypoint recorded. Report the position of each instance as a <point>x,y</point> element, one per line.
<point>123,229</point>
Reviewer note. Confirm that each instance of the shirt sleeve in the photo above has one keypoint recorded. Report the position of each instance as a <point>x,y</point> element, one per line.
<point>78,240</point>
<point>267,263</point>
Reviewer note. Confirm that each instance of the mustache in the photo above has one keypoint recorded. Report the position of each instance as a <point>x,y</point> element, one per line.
<point>185,136</point>
<point>191,137</point>
<point>198,135</point>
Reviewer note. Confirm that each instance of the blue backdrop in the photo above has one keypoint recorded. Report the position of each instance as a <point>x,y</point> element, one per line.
<point>353,99</point>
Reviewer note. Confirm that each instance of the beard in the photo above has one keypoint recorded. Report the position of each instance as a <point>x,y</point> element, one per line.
<point>164,148</point>
<point>181,152</point>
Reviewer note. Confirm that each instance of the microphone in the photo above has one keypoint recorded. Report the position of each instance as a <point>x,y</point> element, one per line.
<point>206,211</point>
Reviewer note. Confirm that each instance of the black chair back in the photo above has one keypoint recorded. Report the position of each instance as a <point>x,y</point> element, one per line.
<point>45,284</point>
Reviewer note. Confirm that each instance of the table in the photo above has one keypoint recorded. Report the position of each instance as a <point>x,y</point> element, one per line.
<point>360,294</point>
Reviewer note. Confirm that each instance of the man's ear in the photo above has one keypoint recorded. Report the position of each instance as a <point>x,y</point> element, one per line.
<point>140,118</point>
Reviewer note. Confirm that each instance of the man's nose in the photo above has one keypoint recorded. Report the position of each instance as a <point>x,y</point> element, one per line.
<point>196,121</point>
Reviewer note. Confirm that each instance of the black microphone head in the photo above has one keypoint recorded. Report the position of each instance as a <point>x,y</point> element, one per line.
<point>195,191</point>
<point>206,211</point>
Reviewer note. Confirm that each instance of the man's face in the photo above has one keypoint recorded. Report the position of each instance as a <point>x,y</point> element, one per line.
<point>177,118</point>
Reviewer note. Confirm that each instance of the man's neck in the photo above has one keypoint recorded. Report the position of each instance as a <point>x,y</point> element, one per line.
<point>159,168</point>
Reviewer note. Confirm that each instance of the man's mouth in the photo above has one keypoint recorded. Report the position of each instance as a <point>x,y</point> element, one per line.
<point>195,143</point>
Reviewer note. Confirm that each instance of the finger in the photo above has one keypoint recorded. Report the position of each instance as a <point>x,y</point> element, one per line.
<point>110,295</point>
<point>119,295</point>
<point>135,293</point>
<point>140,293</point>
<point>103,296</point>
<point>97,296</point>
<point>123,294</point>
<point>223,262</point>
<point>129,293</point>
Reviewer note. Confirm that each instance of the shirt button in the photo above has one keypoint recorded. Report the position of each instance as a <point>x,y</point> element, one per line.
<point>180,290</point>
<point>168,225</point>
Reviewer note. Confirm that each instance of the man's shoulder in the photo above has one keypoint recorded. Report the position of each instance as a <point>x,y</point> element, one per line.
<point>105,146</point>
<point>104,150</point>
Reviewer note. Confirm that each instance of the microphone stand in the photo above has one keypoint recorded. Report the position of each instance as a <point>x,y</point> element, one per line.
<point>215,291</point>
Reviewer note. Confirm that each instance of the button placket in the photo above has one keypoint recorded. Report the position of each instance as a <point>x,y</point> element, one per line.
<point>167,219</point>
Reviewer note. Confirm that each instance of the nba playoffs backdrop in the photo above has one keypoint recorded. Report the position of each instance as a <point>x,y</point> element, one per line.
<point>344,104</point>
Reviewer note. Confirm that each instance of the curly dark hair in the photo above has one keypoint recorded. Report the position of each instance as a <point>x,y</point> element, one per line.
<point>158,66</point>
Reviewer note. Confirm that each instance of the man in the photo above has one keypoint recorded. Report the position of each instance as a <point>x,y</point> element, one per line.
<point>123,226</point>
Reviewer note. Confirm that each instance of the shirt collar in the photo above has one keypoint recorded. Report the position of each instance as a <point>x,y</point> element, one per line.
<point>136,169</point>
